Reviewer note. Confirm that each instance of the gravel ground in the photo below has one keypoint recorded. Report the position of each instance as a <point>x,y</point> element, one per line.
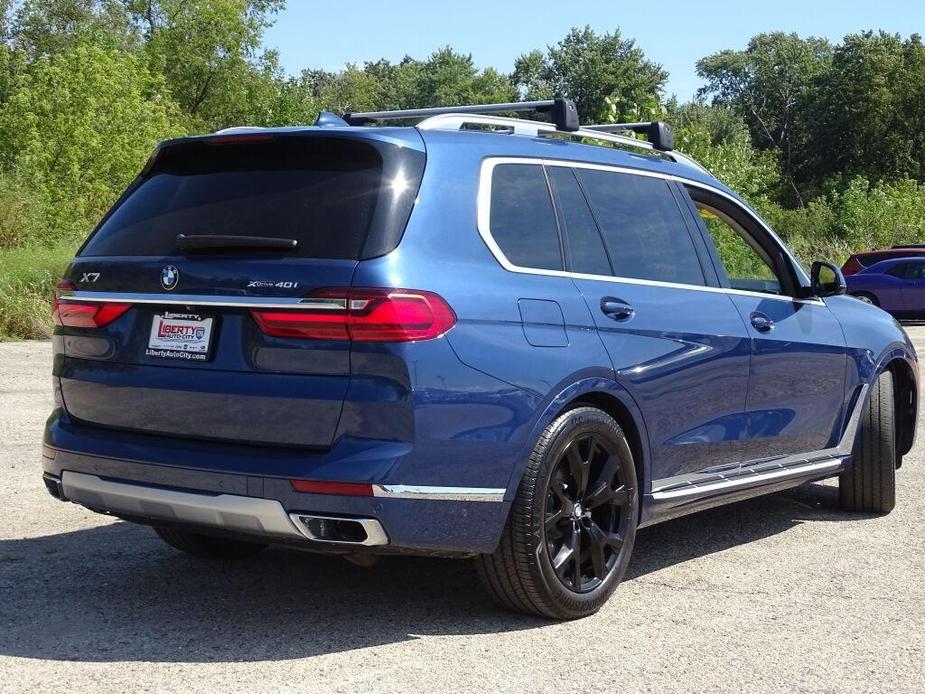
<point>781,593</point>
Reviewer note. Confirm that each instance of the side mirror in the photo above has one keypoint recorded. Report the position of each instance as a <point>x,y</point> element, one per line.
<point>826,279</point>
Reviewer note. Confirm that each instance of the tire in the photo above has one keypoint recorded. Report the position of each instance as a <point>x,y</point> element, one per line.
<point>579,486</point>
<point>869,484</point>
<point>866,298</point>
<point>206,546</point>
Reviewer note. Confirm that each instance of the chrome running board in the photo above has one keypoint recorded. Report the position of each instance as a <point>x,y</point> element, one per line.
<point>772,472</point>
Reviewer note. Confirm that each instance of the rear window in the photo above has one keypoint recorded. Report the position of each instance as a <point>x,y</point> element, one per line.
<point>868,259</point>
<point>339,198</point>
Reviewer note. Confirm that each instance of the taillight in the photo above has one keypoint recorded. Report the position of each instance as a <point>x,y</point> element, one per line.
<point>364,315</point>
<point>83,314</point>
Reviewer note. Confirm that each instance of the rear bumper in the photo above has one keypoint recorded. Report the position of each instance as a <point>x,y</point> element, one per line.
<point>402,518</point>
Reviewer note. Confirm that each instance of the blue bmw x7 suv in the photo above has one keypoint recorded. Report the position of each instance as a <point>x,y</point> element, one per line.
<point>511,340</point>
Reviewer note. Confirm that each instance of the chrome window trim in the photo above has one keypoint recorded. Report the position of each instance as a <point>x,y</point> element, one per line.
<point>411,491</point>
<point>295,302</point>
<point>484,216</point>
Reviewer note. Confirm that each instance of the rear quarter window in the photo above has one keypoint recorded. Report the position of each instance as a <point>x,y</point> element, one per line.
<point>522,221</point>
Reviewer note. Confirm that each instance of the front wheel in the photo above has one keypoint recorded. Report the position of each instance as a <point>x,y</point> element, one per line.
<point>869,484</point>
<point>572,525</point>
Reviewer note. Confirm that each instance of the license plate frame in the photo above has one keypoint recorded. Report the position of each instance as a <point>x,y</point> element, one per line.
<point>180,336</point>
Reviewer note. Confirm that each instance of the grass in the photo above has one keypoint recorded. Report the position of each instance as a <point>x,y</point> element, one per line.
<point>27,279</point>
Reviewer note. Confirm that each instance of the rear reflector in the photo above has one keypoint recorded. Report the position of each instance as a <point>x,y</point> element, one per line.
<point>364,315</point>
<point>341,488</point>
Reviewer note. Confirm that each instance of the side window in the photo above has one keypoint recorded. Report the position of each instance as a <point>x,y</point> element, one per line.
<point>522,221</point>
<point>916,271</point>
<point>900,270</point>
<point>745,263</point>
<point>586,251</point>
<point>643,227</point>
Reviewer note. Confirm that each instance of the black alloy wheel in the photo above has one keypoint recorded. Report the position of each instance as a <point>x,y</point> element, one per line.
<point>585,514</point>
<point>572,525</point>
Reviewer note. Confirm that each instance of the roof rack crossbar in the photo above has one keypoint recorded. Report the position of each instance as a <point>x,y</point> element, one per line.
<point>658,132</point>
<point>562,111</point>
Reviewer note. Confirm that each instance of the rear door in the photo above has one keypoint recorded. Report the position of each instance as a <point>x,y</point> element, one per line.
<point>797,375</point>
<point>200,271</point>
<point>677,345</point>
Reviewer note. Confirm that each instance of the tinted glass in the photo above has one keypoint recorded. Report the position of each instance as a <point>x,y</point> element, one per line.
<point>326,193</point>
<point>585,246</point>
<point>643,226</point>
<point>522,222</point>
<point>745,268</point>
<point>916,271</point>
<point>897,270</point>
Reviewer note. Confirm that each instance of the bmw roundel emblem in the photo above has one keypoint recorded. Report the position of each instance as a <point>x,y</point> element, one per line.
<point>169,277</point>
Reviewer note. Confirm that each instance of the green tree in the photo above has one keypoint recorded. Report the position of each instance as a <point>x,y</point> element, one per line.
<point>770,84</point>
<point>46,27</point>
<point>717,137</point>
<point>210,54</point>
<point>446,78</point>
<point>867,112</point>
<point>78,129</point>
<point>597,71</point>
<point>5,6</point>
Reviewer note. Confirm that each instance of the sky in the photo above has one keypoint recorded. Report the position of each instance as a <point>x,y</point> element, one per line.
<point>312,34</point>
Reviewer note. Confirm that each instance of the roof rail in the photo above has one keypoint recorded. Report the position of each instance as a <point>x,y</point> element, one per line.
<point>562,112</point>
<point>658,132</point>
<point>532,128</point>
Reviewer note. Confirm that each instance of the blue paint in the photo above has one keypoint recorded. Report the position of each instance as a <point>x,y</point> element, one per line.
<point>698,384</point>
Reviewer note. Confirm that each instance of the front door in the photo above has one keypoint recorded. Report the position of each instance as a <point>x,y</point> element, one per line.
<point>798,363</point>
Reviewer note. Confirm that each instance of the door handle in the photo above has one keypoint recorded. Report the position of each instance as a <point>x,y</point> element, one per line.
<point>616,308</point>
<point>761,322</point>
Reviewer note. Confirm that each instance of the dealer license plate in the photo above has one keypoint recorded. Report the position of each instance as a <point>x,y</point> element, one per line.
<point>180,336</point>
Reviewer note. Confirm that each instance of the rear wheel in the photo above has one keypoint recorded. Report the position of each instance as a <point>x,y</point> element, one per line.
<point>869,484</point>
<point>572,526</point>
<point>206,546</point>
<point>867,298</point>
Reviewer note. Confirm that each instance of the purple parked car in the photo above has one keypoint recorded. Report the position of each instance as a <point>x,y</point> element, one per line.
<point>896,285</point>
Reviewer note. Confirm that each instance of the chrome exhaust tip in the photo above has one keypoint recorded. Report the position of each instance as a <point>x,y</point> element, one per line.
<point>367,532</point>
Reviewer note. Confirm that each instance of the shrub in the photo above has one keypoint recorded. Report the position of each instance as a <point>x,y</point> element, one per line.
<point>27,279</point>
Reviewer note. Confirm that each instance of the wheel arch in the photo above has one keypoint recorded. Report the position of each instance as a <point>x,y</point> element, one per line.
<point>905,394</point>
<point>866,292</point>
<point>608,396</point>
<point>614,407</point>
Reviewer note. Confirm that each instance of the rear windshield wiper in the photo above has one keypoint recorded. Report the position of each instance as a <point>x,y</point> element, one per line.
<point>199,242</point>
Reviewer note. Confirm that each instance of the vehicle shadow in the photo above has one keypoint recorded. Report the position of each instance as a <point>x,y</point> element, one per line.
<point>117,593</point>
